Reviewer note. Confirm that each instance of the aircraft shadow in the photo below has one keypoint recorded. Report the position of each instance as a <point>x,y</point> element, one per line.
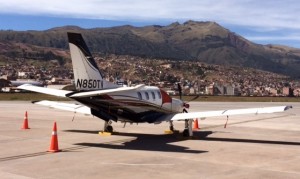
<point>152,142</point>
<point>146,142</point>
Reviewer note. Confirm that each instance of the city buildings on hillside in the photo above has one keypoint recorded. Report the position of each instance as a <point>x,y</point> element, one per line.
<point>196,78</point>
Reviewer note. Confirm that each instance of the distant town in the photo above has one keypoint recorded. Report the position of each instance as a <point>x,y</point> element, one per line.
<point>196,78</point>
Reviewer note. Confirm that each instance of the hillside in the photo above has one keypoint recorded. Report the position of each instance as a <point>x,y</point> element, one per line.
<point>202,41</point>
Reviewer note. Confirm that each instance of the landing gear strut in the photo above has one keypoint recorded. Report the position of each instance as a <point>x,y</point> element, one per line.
<point>108,127</point>
<point>188,130</point>
<point>171,126</point>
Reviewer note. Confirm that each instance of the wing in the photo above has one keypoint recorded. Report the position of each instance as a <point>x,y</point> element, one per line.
<point>192,115</point>
<point>77,108</point>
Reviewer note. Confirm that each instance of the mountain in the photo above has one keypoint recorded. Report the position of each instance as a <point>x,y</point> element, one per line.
<point>202,41</point>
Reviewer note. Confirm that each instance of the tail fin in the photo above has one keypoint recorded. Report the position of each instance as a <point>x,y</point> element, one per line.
<point>87,75</point>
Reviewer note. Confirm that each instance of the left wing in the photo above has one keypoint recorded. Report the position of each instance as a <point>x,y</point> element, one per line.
<point>192,115</point>
<point>77,108</point>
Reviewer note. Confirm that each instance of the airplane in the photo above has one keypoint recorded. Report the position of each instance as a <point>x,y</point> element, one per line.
<point>136,104</point>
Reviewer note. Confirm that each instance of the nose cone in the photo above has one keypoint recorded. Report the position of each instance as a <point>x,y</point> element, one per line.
<point>177,105</point>
<point>186,105</point>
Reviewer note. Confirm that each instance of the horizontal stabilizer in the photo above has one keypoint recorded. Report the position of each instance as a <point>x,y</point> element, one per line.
<point>104,91</point>
<point>50,91</point>
<point>77,108</point>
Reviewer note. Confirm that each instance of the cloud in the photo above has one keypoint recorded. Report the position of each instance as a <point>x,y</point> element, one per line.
<point>275,14</point>
<point>288,39</point>
<point>274,38</point>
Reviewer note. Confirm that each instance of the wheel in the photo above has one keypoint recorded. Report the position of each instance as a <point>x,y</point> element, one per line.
<point>109,129</point>
<point>186,133</point>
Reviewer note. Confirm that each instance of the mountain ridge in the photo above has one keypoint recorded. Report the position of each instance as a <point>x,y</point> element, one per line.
<point>207,42</point>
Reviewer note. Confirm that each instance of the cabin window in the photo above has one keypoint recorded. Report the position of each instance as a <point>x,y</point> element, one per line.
<point>147,95</point>
<point>140,95</point>
<point>159,95</point>
<point>153,95</point>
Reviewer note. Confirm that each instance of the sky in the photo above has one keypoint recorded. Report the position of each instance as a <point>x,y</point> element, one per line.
<point>263,22</point>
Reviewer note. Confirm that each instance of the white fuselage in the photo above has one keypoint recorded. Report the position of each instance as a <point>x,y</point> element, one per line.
<point>145,104</point>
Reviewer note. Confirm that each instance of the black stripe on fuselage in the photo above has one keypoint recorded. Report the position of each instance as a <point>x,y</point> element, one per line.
<point>130,109</point>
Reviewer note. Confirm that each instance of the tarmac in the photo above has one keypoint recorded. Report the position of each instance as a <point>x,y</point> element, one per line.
<point>252,146</point>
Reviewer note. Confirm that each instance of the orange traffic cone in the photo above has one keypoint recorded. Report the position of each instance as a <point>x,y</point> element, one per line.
<point>54,141</point>
<point>196,126</point>
<point>25,123</point>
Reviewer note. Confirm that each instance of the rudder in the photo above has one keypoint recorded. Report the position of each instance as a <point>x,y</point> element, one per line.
<point>87,75</point>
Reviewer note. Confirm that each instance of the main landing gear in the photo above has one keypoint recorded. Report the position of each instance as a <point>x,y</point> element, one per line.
<point>108,127</point>
<point>171,126</point>
<point>188,130</point>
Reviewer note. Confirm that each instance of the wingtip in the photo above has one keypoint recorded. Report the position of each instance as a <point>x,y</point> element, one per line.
<point>288,107</point>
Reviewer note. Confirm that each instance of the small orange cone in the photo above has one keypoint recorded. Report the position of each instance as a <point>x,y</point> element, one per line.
<point>54,141</point>
<point>25,123</point>
<point>196,126</point>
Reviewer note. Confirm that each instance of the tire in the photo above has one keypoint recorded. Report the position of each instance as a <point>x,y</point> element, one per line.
<point>109,129</point>
<point>186,133</point>
<point>171,128</point>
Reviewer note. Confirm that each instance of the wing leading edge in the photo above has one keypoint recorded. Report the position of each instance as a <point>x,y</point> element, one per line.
<point>263,110</point>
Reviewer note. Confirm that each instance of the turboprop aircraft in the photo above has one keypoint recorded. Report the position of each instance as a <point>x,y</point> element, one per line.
<point>112,102</point>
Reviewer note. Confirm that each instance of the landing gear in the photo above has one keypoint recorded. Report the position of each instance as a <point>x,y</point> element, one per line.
<point>171,126</point>
<point>185,133</point>
<point>171,129</point>
<point>188,131</point>
<point>108,127</point>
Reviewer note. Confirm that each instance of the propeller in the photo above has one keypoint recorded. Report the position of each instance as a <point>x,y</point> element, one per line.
<point>185,105</point>
<point>179,90</point>
<point>196,97</point>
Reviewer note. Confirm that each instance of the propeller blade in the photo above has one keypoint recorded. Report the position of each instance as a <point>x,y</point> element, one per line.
<point>179,90</point>
<point>196,97</point>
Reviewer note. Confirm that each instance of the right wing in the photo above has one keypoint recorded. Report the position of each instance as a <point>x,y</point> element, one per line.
<point>230,112</point>
<point>77,108</point>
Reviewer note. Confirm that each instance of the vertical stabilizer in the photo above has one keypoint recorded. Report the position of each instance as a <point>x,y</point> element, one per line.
<point>87,75</point>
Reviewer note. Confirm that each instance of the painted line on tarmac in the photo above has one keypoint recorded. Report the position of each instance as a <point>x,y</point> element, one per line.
<point>23,156</point>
